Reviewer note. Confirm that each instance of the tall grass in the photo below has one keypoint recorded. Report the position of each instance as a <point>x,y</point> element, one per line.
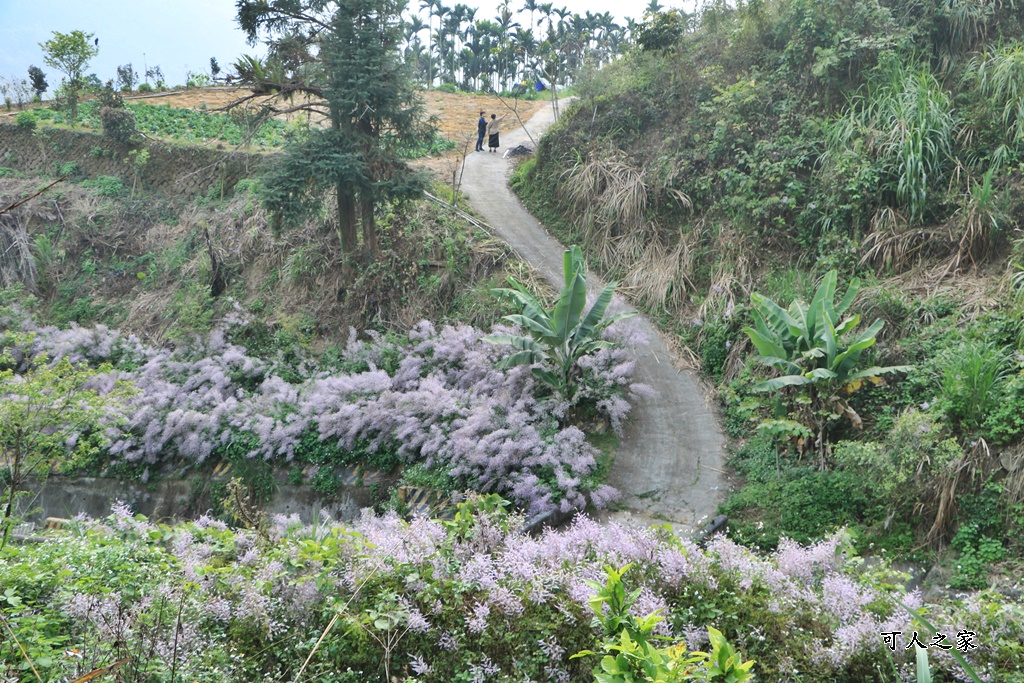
<point>969,378</point>
<point>1000,75</point>
<point>17,265</point>
<point>906,120</point>
<point>980,221</point>
<point>964,24</point>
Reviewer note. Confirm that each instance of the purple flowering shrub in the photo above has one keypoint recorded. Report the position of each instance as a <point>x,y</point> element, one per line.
<point>473,599</point>
<point>434,397</point>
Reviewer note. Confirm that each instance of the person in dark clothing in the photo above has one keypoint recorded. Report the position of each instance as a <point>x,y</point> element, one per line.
<point>481,131</point>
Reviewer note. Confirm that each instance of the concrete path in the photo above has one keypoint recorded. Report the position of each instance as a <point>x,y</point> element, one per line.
<point>670,463</point>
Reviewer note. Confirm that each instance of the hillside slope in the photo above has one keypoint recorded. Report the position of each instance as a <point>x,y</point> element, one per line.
<point>754,149</point>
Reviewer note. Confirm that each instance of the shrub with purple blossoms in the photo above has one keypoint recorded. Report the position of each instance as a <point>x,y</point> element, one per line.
<point>475,598</point>
<point>444,404</point>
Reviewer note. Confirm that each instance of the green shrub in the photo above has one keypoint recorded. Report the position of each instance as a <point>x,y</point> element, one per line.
<point>326,482</point>
<point>118,124</point>
<point>662,31</point>
<point>983,522</point>
<point>1004,422</point>
<point>969,379</point>
<point>421,475</point>
<point>782,499</point>
<point>899,470</point>
<point>25,120</point>
<point>145,88</point>
<point>247,186</point>
<point>68,169</point>
<point>106,185</point>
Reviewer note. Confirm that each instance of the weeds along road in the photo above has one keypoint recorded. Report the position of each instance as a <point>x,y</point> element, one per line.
<point>670,463</point>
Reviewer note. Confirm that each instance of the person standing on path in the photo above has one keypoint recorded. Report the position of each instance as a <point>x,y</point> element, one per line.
<point>481,130</point>
<point>493,128</point>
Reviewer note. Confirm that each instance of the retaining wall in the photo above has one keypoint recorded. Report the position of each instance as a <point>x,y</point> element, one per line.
<point>177,499</point>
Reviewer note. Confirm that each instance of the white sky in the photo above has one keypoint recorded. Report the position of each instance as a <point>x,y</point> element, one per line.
<point>177,35</point>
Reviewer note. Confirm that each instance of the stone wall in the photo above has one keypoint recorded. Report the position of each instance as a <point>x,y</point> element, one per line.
<point>177,499</point>
<point>181,170</point>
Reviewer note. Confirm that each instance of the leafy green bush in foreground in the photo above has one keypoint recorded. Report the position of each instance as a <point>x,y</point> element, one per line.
<point>468,600</point>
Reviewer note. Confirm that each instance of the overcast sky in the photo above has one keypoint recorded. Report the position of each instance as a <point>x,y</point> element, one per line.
<point>177,35</point>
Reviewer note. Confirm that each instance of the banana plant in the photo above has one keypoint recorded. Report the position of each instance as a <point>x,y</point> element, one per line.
<point>558,338</point>
<point>816,349</point>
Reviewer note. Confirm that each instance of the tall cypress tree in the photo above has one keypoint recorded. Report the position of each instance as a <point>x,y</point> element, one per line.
<point>342,59</point>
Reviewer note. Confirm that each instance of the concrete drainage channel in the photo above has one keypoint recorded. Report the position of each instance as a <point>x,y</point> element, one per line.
<point>57,500</point>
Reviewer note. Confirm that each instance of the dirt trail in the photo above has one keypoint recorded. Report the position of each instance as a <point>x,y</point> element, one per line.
<point>670,463</point>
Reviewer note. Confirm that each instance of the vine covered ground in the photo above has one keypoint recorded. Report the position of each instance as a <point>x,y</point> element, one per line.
<point>468,600</point>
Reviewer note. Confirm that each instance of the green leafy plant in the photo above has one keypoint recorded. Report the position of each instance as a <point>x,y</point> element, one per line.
<point>106,185</point>
<point>631,657</point>
<point>904,469</point>
<point>561,336</point>
<point>39,410</point>
<point>25,120</point>
<point>970,377</point>
<point>923,669</point>
<point>817,352</point>
<point>117,120</point>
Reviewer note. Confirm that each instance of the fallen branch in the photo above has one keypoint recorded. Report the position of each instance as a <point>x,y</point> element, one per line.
<point>15,205</point>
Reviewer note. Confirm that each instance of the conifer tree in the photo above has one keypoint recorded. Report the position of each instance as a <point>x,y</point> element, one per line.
<point>342,60</point>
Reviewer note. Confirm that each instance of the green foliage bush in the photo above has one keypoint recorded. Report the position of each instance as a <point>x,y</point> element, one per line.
<point>662,31</point>
<point>902,468</point>
<point>25,120</point>
<point>118,124</point>
<point>247,186</point>
<point>1004,423</point>
<point>630,656</point>
<point>66,168</point>
<point>107,186</point>
<point>983,522</point>
<point>792,500</point>
<point>969,379</point>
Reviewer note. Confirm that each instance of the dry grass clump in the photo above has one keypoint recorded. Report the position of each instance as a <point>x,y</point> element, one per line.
<point>965,473</point>
<point>974,294</point>
<point>615,203</point>
<point>17,265</point>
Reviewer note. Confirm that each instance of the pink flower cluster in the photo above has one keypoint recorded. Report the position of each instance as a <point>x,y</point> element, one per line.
<point>824,611</point>
<point>445,405</point>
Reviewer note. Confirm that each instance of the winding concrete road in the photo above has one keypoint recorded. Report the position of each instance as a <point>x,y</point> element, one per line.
<point>670,463</point>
